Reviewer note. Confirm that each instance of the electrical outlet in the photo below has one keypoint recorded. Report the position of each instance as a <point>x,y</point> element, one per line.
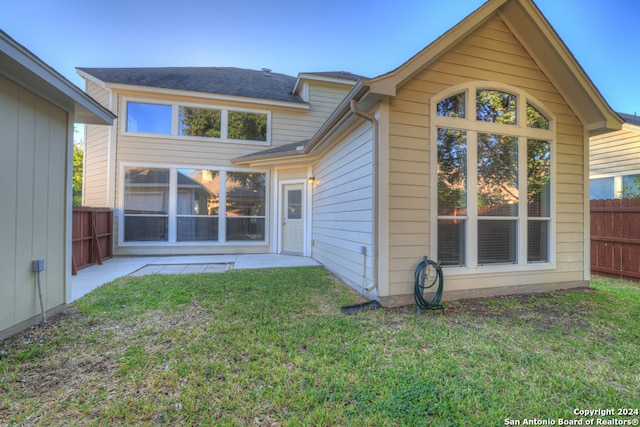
<point>37,265</point>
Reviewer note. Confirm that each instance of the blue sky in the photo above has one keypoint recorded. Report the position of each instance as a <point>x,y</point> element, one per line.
<point>365,37</point>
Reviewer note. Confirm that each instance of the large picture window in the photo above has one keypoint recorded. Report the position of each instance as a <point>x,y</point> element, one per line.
<point>174,205</point>
<point>197,122</point>
<point>494,178</point>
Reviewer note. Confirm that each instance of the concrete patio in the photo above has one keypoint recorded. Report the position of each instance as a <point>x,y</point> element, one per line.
<point>94,276</point>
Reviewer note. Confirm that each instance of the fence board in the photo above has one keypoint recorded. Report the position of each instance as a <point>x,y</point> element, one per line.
<point>615,238</point>
<point>92,236</point>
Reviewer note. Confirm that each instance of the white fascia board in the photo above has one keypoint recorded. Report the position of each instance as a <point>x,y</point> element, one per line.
<point>92,78</point>
<point>306,76</point>
<point>207,95</point>
<point>630,127</point>
<point>292,160</point>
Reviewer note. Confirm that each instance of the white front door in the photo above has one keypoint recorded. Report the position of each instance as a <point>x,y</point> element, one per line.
<point>293,218</point>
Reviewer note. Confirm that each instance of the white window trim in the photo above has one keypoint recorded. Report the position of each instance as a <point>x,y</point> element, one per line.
<point>222,223</point>
<point>472,128</point>
<point>175,118</point>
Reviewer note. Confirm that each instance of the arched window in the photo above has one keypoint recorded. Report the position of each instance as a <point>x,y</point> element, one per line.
<point>492,156</point>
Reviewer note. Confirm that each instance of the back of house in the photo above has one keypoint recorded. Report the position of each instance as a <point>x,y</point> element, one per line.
<point>474,152</point>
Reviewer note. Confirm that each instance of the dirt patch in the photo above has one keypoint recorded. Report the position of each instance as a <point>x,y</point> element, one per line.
<point>74,359</point>
<point>40,332</point>
<point>541,310</point>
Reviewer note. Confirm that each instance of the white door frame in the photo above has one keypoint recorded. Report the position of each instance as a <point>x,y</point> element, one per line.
<point>306,214</point>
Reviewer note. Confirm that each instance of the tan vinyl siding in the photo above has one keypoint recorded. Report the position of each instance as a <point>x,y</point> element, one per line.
<point>292,174</point>
<point>615,153</point>
<point>98,93</point>
<point>133,150</point>
<point>342,206</point>
<point>287,125</point>
<point>96,167</point>
<point>291,127</point>
<point>491,53</point>
<point>164,151</point>
<point>34,186</point>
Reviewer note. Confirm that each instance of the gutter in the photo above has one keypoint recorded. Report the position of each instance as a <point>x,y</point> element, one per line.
<point>376,178</point>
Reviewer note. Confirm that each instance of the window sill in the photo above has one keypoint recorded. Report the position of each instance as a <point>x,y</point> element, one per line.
<point>266,143</point>
<point>194,243</point>
<point>497,268</point>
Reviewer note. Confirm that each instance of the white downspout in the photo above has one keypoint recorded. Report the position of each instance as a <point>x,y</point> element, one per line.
<point>376,173</point>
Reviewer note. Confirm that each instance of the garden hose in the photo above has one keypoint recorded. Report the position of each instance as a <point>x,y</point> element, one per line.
<point>424,283</point>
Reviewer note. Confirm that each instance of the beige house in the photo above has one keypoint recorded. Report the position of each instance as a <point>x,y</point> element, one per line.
<point>474,152</point>
<point>615,161</point>
<point>38,108</point>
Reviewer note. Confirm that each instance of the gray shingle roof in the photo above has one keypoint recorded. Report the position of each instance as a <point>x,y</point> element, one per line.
<point>631,119</point>
<point>286,149</point>
<point>220,80</point>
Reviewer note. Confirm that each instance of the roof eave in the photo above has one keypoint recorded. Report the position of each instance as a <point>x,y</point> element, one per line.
<point>631,127</point>
<point>553,56</point>
<point>320,78</point>
<point>203,95</point>
<point>388,83</point>
<point>334,123</point>
<point>281,159</point>
<point>25,68</point>
<point>543,43</point>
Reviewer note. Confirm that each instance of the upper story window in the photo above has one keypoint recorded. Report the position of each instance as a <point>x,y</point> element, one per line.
<point>149,118</point>
<point>494,178</point>
<point>536,118</point>
<point>197,122</point>
<point>492,106</point>
<point>453,106</point>
<point>496,107</point>
<point>247,126</point>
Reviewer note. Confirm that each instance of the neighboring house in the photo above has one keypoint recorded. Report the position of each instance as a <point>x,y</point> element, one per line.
<point>614,160</point>
<point>38,108</point>
<point>473,152</point>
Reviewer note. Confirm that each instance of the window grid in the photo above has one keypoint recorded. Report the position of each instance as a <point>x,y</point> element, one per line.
<point>173,127</point>
<point>526,128</point>
<point>153,212</point>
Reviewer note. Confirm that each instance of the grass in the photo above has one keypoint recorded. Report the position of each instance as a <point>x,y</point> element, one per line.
<point>272,348</point>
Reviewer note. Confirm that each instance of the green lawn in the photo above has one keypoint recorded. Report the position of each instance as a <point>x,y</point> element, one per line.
<point>272,348</point>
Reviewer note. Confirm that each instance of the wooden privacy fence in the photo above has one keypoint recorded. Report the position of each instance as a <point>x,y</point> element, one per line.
<point>615,238</point>
<point>92,236</point>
